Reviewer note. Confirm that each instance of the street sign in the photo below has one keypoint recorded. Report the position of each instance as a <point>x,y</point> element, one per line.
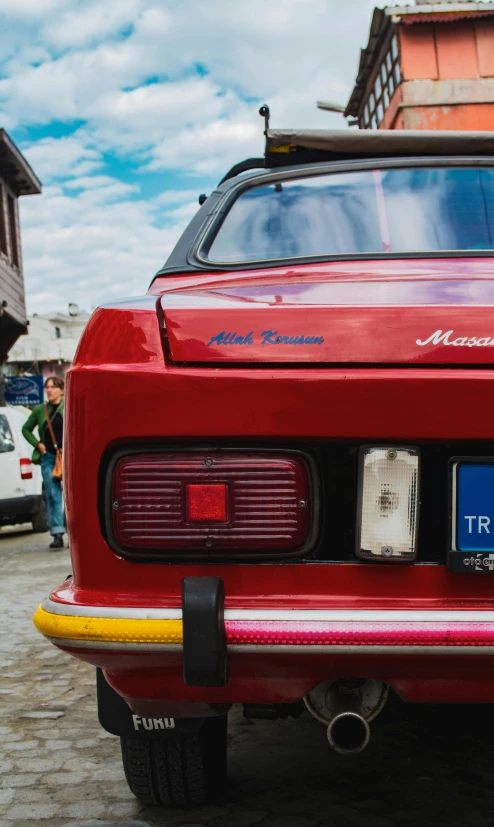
<point>24,390</point>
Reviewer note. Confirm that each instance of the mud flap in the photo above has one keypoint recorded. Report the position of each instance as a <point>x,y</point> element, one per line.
<point>118,719</point>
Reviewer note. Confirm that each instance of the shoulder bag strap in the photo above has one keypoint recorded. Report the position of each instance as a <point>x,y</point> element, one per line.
<point>50,426</point>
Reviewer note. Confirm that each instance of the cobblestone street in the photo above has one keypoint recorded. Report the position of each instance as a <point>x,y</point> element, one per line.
<point>424,766</point>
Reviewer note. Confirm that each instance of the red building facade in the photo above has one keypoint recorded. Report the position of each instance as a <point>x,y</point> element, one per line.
<point>429,66</point>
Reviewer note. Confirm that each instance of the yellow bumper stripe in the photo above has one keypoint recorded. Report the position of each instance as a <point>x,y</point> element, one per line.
<point>111,629</point>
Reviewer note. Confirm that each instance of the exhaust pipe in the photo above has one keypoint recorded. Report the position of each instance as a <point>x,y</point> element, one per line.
<point>348,733</point>
<point>346,707</point>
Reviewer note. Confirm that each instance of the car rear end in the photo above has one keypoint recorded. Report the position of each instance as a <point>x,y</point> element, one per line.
<point>280,468</point>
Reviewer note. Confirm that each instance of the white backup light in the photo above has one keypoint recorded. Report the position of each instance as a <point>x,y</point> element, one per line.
<point>388,504</point>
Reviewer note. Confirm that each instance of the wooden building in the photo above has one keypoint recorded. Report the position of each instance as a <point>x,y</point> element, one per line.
<point>428,66</point>
<point>16,179</point>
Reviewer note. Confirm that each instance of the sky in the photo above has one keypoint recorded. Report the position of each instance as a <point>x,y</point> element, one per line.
<point>127,110</point>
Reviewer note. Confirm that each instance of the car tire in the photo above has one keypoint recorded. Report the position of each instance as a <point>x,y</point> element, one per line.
<point>187,770</point>
<point>39,520</point>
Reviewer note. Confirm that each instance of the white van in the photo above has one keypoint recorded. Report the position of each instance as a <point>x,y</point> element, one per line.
<point>21,487</point>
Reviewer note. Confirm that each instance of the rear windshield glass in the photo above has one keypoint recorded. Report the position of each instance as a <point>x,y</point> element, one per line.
<point>377,211</point>
<point>6,438</point>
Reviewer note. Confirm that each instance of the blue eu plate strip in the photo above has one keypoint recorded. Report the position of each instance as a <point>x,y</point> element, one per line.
<point>475,507</point>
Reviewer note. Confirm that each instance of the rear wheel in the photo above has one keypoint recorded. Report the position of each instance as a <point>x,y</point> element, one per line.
<point>187,770</point>
<point>39,520</point>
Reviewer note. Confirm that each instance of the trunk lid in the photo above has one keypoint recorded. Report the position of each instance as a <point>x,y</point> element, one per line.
<point>411,312</point>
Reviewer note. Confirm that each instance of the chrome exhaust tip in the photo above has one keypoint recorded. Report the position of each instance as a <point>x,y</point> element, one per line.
<point>348,733</point>
<point>346,707</point>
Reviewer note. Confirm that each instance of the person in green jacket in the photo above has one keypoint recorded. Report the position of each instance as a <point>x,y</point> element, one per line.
<point>44,453</point>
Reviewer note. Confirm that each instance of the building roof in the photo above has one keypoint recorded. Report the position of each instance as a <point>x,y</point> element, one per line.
<point>441,11</point>
<point>368,143</point>
<point>379,28</point>
<point>44,342</point>
<point>15,169</point>
<point>383,19</point>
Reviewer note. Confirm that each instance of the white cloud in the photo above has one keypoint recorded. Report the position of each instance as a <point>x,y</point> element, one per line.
<point>89,182</point>
<point>89,23</point>
<point>137,118</point>
<point>29,9</point>
<point>168,86</point>
<point>175,197</point>
<point>94,247</point>
<point>62,157</point>
<point>248,49</point>
<point>212,148</point>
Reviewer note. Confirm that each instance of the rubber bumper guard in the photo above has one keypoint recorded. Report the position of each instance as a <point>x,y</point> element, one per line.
<point>204,636</point>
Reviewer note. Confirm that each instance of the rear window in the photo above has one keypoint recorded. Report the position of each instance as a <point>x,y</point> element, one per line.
<point>6,437</point>
<point>410,210</point>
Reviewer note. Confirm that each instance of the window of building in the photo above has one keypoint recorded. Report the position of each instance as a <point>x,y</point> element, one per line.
<point>58,333</point>
<point>13,231</point>
<point>3,224</point>
<point>394,48</point>
<point>388,77</point>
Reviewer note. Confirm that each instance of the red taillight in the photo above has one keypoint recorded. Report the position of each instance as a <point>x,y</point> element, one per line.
<point>26,468</point>
<point>212,503</point>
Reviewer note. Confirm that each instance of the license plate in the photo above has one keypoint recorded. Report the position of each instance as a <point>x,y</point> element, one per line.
<point>473,516</point>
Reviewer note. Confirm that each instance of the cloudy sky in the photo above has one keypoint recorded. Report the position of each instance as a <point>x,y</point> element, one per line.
<point>128,109</point>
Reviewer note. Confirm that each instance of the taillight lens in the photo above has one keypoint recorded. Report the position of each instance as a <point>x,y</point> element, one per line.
<point>211,503</point>
<point>26,468</point>
<point>388,504</point>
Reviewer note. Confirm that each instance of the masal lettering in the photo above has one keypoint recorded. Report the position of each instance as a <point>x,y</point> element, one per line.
<point>446,338</point>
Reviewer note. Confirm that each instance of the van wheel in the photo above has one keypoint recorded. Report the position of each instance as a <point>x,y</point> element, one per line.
<point>187,770</point>
<point>39,520</point>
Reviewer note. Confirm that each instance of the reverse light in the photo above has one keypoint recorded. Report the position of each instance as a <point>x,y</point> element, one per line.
<point>206,504</point>
<point>388,509</point>
<point>26,468</point>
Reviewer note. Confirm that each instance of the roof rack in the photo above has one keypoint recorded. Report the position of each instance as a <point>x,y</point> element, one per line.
<point>288,147</point>
<point>285,147</point>
<point>243,166</point>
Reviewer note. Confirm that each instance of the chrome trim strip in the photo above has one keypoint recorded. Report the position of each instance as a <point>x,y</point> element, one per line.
<point>295,615</point>
<point>55,608</point>
<point>379,650</point>
<point>173,648</point>
<point>119,646</point>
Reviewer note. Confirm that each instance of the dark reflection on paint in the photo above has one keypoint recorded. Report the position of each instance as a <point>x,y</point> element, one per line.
<point>398,210</point>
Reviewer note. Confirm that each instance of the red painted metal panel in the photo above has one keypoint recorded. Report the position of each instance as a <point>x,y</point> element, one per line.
<point>122,390</point>
<point>297,586</point>
<point>323,314</point>
<point>257,677</point>
<point>413,335</point>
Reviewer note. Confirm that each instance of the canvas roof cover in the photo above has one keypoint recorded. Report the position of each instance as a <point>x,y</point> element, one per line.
<point>376,143</point>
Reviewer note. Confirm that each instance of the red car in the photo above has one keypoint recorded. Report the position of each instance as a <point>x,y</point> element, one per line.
<point>280,461</point>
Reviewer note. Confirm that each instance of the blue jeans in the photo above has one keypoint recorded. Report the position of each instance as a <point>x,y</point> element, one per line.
<point>54,498</point>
